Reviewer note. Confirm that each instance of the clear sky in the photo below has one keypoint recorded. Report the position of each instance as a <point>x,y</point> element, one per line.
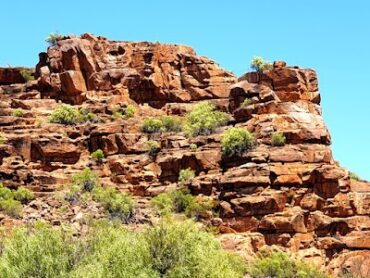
<point>330,36</point>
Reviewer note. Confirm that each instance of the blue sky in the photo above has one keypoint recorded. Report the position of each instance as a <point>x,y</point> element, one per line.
<point>333,37</point>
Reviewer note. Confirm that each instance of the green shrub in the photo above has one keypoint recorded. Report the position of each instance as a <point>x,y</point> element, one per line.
<point>278,139</point>
<point>235,141</point>
<point>170,249</point>
<point>181,201</point>
<point>246,102</point>
<point>193,147</point>
<point>18,112</point>
<point>258,64</point>
<point>5,193</point>
<point>118,204</point>
<point>153,147</point>
<point>172,123</point>
<point>354,176</point>
<point>130,111</point>
<point>2,139</point>
<point>186,175</point>
<point>27,74</point>
<point>98,155</point>
<point>11,207</point>
<point>23,195</point>
<point>86,116</point>
<point>204,119</point>
<point>152,125</point>
<point>53,38</point>
<point>39,252</point>
<point>67,115</point>
<point>278,264</point>
<point>86,180</point>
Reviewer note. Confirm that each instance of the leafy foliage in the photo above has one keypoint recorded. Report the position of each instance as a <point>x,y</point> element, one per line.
<point>193,147</point>
<point>153,147</point>
<point>163,124</point>
<point>278,264</point>
<point>186,175</point>
<point>246,102</point>
<point>204,119</point>
<point>118,204</point>
<point>2,139</point>
<point>278,139</point>
<point>172,123</point>
<point>235,141</point>
<point>53,38</point>
<point>66,114</point>
<point>98,155</point>
<point>181,201</point>
<point>130,111</point>
<point>23,195</point>
<point>27,74</point>
<point>86,180</point>
<point>258,64</point>
<point>152,125</point>
<point>18,112</point>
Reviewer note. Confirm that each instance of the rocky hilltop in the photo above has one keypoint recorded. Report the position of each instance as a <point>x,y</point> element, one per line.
<point>294,195</point>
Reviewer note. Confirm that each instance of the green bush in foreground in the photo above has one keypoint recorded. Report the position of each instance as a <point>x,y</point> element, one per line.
<point>98,155</point>
<point>235,141</point>
<point>66,114</point>
<point>170,249</point>
<point>258,64</point>
<point>278,264</point>
<point>204,119</point>
<point>11,201</point>
<point>23,195</point>
<point>278,139</point>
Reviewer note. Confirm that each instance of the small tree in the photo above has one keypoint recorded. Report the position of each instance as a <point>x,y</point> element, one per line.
<point>152,125</point>
<point>278,139</point>
<point>258,64</point>
<point>235,141</point>
<point>186,175</point>
<point>98,155</point>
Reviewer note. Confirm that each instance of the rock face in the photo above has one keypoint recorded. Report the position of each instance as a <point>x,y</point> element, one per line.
<point>295,196</point>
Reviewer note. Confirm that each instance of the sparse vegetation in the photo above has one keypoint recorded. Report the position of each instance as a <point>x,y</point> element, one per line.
<point>181,201</point>
<point>86,180</point>
<point>98,155</point>
<point>186,175</point>
<point>130,111</point>
<point>153,147</point>
<point>278,139</point>
<point>53,38</point>
<point>193,147</point>
<point>172,123</point>
<point>2,139</point>
<point>204,119</point>
<point>354,176</point>
<point>278,264</point>
<point>258,64</point>
<point>163,124</point>
<point>11,201</point>
<point>27,74</point>
<point>18,112</point>
<point>236,140</point>
<point>246,102</point>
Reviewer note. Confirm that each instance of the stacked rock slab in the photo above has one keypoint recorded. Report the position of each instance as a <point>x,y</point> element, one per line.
<point>295,196</point>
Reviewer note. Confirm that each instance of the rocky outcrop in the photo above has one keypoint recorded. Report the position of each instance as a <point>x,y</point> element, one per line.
<point>295,196</point>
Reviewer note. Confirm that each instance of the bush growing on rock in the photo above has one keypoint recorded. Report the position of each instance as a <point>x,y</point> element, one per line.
<point>23,195</point>
<point>98,155</point>
<point>118,204</point>
<point>235,141</point>
<point>278,264</point>
<point>278,139</point>
<point>258,64</point>
<point>354,176</point>
<point>152,125</point>
<point>53,38</point>
<point>66,114</point>
<point>153,147</point>
<point>18,112</point>
<point>2,139</point>
<point>172,123</point>
<point>204,119</point>
<point>11,207</point>
<point>130,111</point>
<point>27,74</point>
<point>193,147</point>
<point>86,180</point>
<point>186,175</point>
<point>246,102</point>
